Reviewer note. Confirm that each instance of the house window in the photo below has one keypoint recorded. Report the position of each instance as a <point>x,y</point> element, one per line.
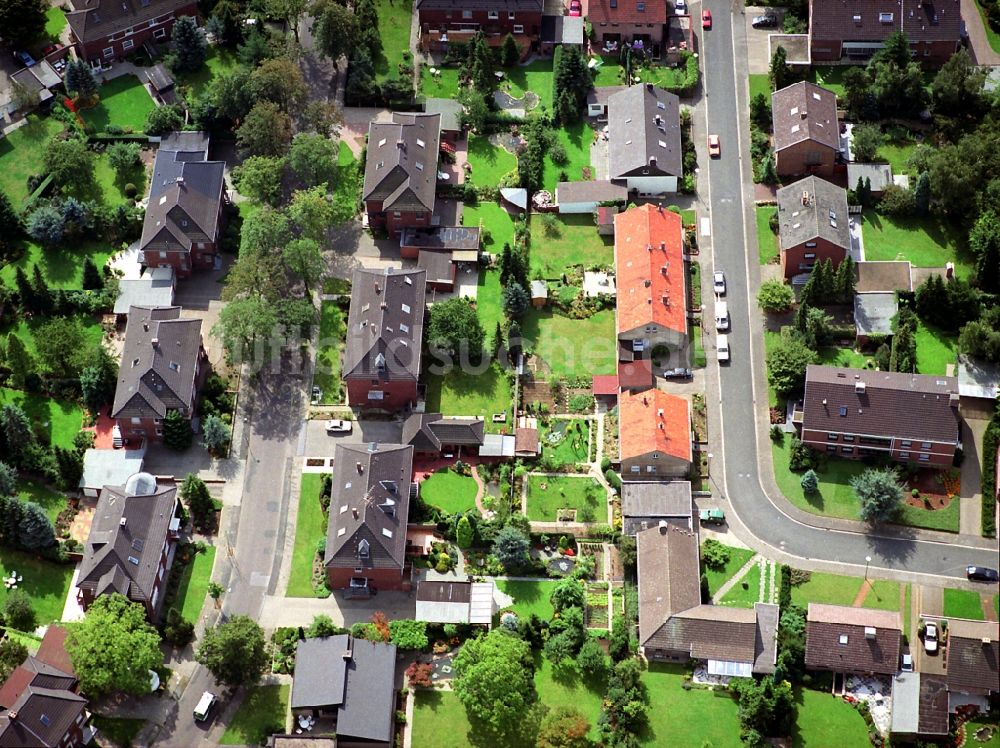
<point>163,255</point>
<point>810,244</point>
<point>160,34</point>
<point>810,255</point>
<point>650,469</point>
<point>831,447</point>
<point>466,14</point>
<point>129,31</point>
<point>358,570</point>
<point>159,432</point>
<point>396,214</point>
<point>904,455</point>
<point>848,438</point>
<point>925,445</point>
<point>905,443</point>
<point>136,421</point>
<point>847,450</point>
<point>831,437</point>
<point>510,15</point>
<point>924,458</point>
<point>518,28</point>
<point>419,216</point>
<point>634,469</point>
<point>109,51</point>
<point>493,15</point>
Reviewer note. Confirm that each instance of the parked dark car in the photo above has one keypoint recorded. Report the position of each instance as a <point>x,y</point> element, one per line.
<point>25,59</point>
<point>679,373</point>
<point>982,573</point>
<point>766,21</point>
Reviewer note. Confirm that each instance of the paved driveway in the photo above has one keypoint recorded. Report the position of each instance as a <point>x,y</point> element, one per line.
<point>758,49</point>
<point>319,443</point>
<point>979,45</point>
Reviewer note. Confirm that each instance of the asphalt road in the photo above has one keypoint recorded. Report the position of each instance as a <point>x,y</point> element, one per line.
<point>742,378</point>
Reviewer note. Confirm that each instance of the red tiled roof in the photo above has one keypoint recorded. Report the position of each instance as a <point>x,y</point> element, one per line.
<point>640,421</point>
<point>635,375</point>
<point>647,240</point>
<point>53,649</point>
<point>605,384</point>
<point>627,11</point>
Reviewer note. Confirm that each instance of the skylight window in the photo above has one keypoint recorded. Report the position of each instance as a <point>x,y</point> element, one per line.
<point>382,142</point>
<point>133,560</point>
<point>420,166</point>
<point>843,410</point>
<point>387,532</point>
<point>174,366</point>
<point>408,280</point>
<point>660,105</point>
<point>420,143</point>
<point>341,531</point>
<point>404,327</point>
<point>663,143</point>
<point>405,308</point>
<point>343,509</point>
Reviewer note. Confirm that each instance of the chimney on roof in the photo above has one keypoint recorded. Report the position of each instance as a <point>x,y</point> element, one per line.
<point>12,715</point>
<point>378,288</point>
<point>652,160</point>
<point>645,401</point>
<point>649,247</point>
<point>953,399</point>
<point>354,511</point>
<point>145,327</point>
<point>649,87</point>
<point>859,388</point>
<point>180,181</point>
<point>659,412</point>
<point>155,342</point>
<point>122,521</point>
<point>663,527</point>
<point>661,426</point>
<point>805,197</point>
<point>348,653</point>
<point>401,145</point>
<point>869,632</point>
<point>663,248</point>
<point>986,642</point>
<point>360,467</point>
<point>659,207</point>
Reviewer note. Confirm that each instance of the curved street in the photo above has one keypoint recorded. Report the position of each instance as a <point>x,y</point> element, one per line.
<point>763,518</point>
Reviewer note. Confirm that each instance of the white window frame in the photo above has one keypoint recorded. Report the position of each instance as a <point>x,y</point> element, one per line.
<point>160,34</point>
<point>128,44</point>
<point>466,14</point>
<point>511,15</point>
<point>109,52</point>
<point>518,28</point>
<point>493,15</point>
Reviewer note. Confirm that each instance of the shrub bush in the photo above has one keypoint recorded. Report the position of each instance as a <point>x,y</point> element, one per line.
<point>714,554</point>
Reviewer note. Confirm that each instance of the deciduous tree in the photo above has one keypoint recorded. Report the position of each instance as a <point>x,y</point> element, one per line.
<point>113,648</point>
<point>454,326</point>
<point>865,142</point>
<point>21,21</point>
<point>335,28</point>
<point>280,81</point>
<point>17,611</point>
<point>266,131</point>
<point>304,259</point>
<point>12,654</point>
<point>259,178</point>
<point>775,296</point>
<point>786,364</point>
<point>313,158</point>
<point>177,434</point>
<point>312,213</point>
<point>494,679</point>
<point>123,157</point>
<point>70,163</point>
<point>235,651</point>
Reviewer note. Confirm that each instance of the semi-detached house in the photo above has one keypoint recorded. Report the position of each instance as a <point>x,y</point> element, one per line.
<point>446,22</point>
<point>105,31</point>
<point>654,435</point>
<point>858,413</point>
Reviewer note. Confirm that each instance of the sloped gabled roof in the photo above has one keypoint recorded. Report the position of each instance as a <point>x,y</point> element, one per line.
<point>644,131</point>
<point>401,162</point>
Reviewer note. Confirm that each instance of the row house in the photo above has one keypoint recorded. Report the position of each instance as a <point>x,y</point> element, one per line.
<point>163,365</point>
<point>448,22</point>
<point>654,435</point>
<point>858,413</point>
<point>638,23</point>
<point>106,31</point>
<point>131,544</point>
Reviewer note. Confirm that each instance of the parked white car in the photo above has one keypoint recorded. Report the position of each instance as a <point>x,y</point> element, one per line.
<point>721,316</point>
<point>931,637</point>
<point>339,427</point>
<point>719,282</point>
<point>722,348</point>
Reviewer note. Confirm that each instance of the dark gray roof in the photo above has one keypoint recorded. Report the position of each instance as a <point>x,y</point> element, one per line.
<point>155,287</point>
<point>430,431</point>
<point>811,208</point>
<point>804,111</point>
<point>159,77</point>
<point>44,709</point>
<point>441,237</point>
<point>450,111</point>
<point>156,378</point>
<point>524,6</point>
<point>644,504</point>
<point>880,404</point>
<point>401,163</point>
<point>369,506</point>
<point>873,313</point>
<point>973,656</point>
<point>844,639</point>
<point>437,265</point>
<point>644,132</point>
<point>882,276</point>
<point>599,190</point>
<point>601,94</point>
<point>95,19</point>
<point>923,21</point>
<point>562,29</point>
<point>444,592</point>
<point>130,526</point>
<point>185,193</point>
<point>385,325</point>
<point>355,676</point>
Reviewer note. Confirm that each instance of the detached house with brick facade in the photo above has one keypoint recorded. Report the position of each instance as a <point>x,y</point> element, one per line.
<point>447,22</point>
<point>105,31</point>
<point>184,212</point>
<point>812,225</point>
<point>618,22</point>
<point>385,329</point>
<point>806,130</point>
<point>401,172</point>
<point>858,413</point>
<point>644,140</point>
<point>131,544</point>
<point>654,438</point>
<point>370,501</point>
<point>163,365</point>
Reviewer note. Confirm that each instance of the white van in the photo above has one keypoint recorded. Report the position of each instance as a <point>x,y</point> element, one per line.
<point>204,706</point>
<point>721,316</point>
<point>722,348</point>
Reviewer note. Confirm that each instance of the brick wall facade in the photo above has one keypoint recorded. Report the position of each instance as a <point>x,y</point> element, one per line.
<point>123,42</point>
<point>381,579</point>
<point>801,257</point>
<point>806,157</point>
<point>855,447</point>
<point>395,395</point>
<point>393,222</point>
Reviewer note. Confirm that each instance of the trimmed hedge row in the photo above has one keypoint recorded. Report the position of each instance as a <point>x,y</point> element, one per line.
<point>990,441</point>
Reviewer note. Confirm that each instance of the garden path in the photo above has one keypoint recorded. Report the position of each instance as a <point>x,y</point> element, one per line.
<point>729,583</point>
<point>970,510</point>
<point>859,599</point>
<point>986,599</point>
<point>480,492</point>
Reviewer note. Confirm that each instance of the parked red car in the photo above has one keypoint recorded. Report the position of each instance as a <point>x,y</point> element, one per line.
<point>706,19</point>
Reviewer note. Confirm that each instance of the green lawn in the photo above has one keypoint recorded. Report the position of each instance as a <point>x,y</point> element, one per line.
<point>394,30</point>
<point>738,597</point>
<point>449,491</point>
<point>439,720</point>
<point>935,349</point>
<point>529,597</point>
<point>444,85</point>
<point>687,718</point>
<point>490,163</point>
<point>925,242</point>
<point>994,39</point>
<point>53,502</point>
<point>27,329</point>
<point>55,22</point>
<point>830,77</point>
<point>21,155</point>
<point>62,267</point>
<point>988,720</point>
<point>963,604</point>
<point>562,492</point>
<point>884,595</point>
<point>829,589</point>
<point>737,558</point>
<point>332,332</point>
<point>494,220</point>
<point>260,714</point>
<point>610,73</point>
<point>59,419</point>
<point>945,520</point>
<point>572,347</point>
<point>897,147</point>
<point>767,240</point>
<point>119,730</point>
<point>836,356</point>
<point>110,187</point>
<point>193,589</point>
<point>835,497</point>
<point>218,62</point>
<point>309,531</point>
<point>460,393</point>
<point>573,241</point>
<point>536,77</point>
<point>28,640</point>
<point>125,102</point>
<point>771,339</point>
<point>825,721</point>
<point>575,139</point>
<point>347,192</point>
<point>759,83</point>
<point>569,688</point>
<point>698,358</point>
<point>489,302</point>
<point>573,448</point>
<point>45,582</point>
